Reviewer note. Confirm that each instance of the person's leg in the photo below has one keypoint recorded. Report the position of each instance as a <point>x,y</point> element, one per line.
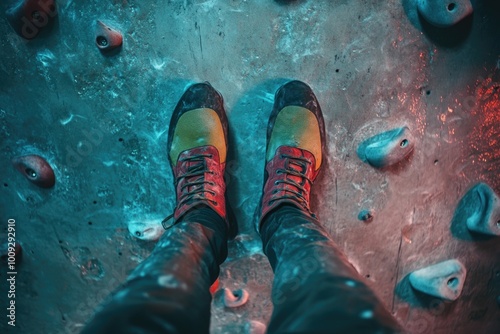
<point>169,291</point>
<point>315,288</point>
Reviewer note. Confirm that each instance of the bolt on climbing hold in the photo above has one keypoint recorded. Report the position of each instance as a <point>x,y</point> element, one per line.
<point>147,228</point>
<point>36,169</point>
<point>107,38</point>
<point>387,148</point>
<point>444,280</point>
<point>444,13</point>
<point>235,298</point>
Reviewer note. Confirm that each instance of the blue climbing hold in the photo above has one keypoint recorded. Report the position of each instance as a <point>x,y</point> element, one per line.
<point>387,148</point>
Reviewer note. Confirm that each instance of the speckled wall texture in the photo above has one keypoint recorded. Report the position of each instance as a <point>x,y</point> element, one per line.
<point>99,119</point>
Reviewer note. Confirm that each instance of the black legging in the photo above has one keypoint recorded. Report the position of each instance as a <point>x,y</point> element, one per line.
<point>315,288</point>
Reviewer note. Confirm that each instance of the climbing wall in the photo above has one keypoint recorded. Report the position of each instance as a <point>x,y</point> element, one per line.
<point>410,96</point>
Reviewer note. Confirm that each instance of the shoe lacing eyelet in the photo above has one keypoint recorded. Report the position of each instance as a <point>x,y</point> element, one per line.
<point>277,182</point>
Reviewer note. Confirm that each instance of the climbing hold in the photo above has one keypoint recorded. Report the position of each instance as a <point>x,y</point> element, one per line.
<point>482,207</point>
<point>255,327</point>
<point>11,254</point>
<point>29,17</point>
<point>147,229</point>
<point>444,280</point>
<point>36,169</point>
<point>365,216</point>
<point>444,13</point>
<point>214,287</point>
<point>107,38</point>
<point>387,148</point>
<point>235,298</point>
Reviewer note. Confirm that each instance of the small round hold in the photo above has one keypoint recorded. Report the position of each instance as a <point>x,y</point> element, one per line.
<point>148,229</point>
<point>9,254</point>
<point>107,38</point>
<point>365,215</point>
<point>235,298</point>
<point>36,169</point>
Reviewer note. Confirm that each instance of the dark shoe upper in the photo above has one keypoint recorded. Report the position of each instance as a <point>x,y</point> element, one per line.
<point>197,96</point>
<point>197,148</point>
<point>295,148</point>
<point>296,93</point>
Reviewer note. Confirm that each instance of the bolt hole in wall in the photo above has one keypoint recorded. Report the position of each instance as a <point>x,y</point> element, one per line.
<point>451,7</point>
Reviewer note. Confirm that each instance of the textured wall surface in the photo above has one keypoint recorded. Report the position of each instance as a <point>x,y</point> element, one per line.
<point>100,120</point>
